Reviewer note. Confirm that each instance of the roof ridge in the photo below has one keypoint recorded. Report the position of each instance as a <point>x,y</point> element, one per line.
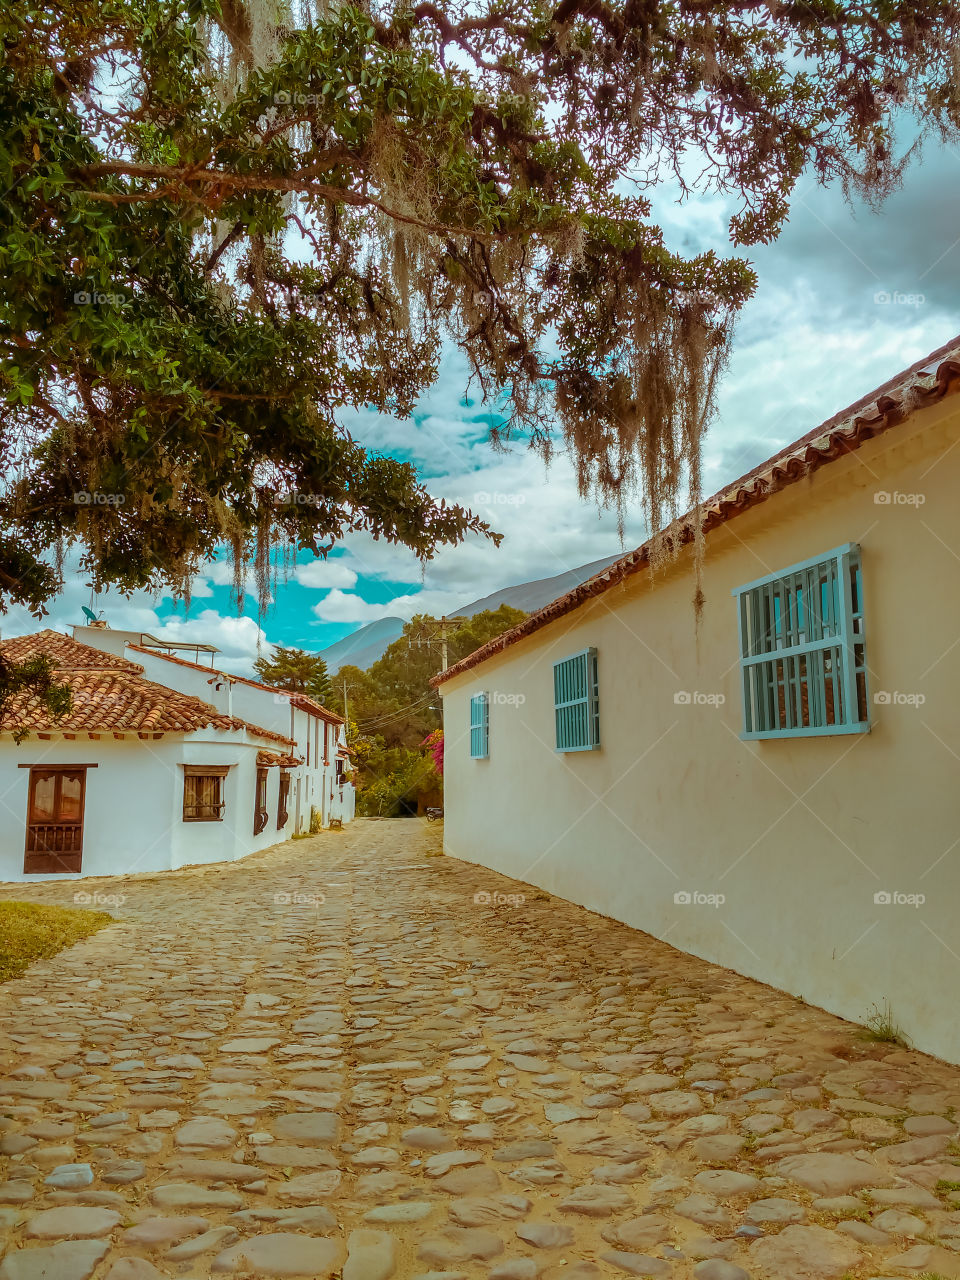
<point>145,702</point>
<point>891,403</point>
<point>69,654</point>
<point>304,698</point>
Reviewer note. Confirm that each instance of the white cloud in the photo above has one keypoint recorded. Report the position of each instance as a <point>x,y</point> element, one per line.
<point>236,638</point>
<point>219,572</point>
<point>344,606</point>
<point>322,573</point>
<point>812,340</point>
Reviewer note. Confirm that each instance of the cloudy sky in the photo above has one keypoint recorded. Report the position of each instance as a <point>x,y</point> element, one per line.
<point>846,298</point>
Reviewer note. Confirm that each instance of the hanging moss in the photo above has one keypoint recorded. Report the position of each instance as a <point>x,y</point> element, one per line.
<point>294,204</point>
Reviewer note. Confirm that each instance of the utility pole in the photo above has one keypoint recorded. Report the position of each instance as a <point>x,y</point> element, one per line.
<point>443,643</point>
<point>346,718</point>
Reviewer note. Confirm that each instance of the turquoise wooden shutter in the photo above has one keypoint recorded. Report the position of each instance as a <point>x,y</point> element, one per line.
<point>802,649</point>
<point>576,702</point>
<point>479,727</point>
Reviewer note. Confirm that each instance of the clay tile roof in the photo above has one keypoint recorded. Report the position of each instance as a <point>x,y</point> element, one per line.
<point>922,384</point>
<point>110,695</point>
<point>301,700</point>
<point>268,759</point>
<point>68,653</point>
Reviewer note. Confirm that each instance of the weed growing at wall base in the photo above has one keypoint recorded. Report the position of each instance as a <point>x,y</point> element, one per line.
<point>881,1027</point>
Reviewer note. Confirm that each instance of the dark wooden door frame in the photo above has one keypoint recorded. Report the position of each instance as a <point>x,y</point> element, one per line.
<point>50,862</point>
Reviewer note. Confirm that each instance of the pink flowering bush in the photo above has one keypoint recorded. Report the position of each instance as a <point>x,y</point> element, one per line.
<point>434,741</point>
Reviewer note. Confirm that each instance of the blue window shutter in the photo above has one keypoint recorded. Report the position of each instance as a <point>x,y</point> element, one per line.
<point>576,702</point>
<point>802,649</point>
<point>479,726</point>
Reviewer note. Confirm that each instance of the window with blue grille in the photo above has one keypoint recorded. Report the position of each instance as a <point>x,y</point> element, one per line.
<point>802,649</point>
<point>479,726</point>
<point>576,702</point>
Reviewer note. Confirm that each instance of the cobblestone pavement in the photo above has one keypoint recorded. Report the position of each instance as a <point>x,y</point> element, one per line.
<point>332,1057</point>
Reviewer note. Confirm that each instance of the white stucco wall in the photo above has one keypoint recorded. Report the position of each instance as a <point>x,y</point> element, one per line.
<point>798,835</point>
<point>133,814</point>
<point>267,708</point>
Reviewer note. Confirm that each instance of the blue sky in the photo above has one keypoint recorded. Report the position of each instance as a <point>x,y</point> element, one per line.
<point>847,297</point>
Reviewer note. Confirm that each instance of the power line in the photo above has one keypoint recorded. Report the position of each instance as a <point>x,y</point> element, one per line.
<point>392,715</point>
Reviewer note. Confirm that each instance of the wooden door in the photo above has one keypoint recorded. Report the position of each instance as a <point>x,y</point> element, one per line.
<point>55,821</point>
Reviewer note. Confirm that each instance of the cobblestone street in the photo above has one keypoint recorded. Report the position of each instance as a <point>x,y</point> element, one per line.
<point>331,1057</point>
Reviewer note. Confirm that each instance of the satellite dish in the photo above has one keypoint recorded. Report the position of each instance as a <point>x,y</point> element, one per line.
<point>90,614</point>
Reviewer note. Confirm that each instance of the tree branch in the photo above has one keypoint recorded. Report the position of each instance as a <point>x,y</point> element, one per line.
<point>216,178</point>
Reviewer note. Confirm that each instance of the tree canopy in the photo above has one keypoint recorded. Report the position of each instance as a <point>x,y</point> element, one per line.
<point>392,708</point>
<point>296,670</point>
<point>227,222</point>
<point>38,675</point>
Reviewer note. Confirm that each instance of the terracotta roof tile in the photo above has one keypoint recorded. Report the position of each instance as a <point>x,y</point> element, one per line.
<point>268,759</point>
<point>67,652</point>
<point>922,384</point>
<point>110,695</point>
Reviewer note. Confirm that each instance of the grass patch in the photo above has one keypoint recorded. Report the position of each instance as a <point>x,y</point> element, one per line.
<point>882,1028</point>
<point>31,931</point>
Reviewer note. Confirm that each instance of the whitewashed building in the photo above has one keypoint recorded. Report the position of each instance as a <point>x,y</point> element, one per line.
<point>770,785</point>
<point>161,762</point>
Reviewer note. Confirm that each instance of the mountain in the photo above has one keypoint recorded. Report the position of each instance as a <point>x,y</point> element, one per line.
<point>365,645</point>
<point>362,647</point>
<point>534,595</point>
